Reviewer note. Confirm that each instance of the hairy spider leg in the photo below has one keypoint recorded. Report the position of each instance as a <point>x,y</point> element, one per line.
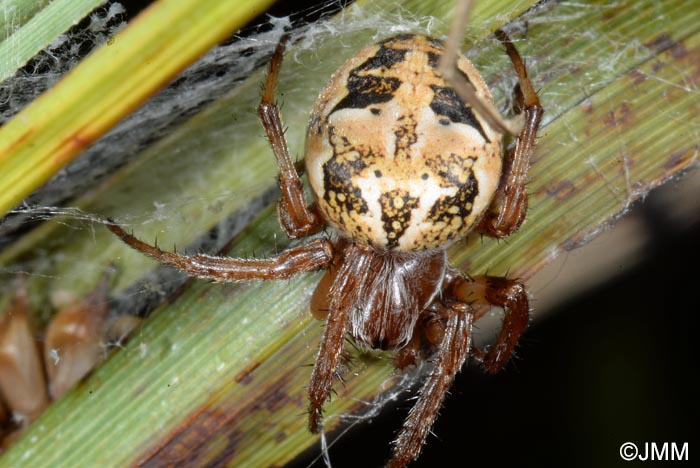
<point>346,282</point>
<point>449,331</point>
<point>509,205</point>
<point>507,294</point>
<point>307,257</point>
<point>453,351</point>
<point>296,217</point>
<point>327,360</point>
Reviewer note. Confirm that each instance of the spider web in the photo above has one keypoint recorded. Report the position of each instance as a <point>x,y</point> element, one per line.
<point>181,149</point>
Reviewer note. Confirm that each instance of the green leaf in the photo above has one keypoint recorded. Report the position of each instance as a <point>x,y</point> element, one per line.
<point>28,26</point>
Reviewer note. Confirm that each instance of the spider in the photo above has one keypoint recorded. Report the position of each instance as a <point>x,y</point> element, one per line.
<point>404,156</point>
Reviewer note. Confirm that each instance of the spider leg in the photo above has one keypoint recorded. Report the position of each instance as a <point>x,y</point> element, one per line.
<point>327,361</point>
<point>311,256</point>
<point>453,351</point>
<point>427,334</point>
<point>340,297</point>
<point>502,292</point>
<point>448,69</point>
<point>296,217</point>
<point>509,205</point>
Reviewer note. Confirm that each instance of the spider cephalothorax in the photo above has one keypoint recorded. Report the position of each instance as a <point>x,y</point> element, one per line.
<point>404,156</point>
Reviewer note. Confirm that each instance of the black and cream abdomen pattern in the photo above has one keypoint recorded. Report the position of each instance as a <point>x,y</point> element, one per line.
<point>394,157</point>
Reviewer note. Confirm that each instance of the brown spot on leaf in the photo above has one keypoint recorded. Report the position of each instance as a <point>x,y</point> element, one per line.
<point>276,399</point>
<point>183,446</point>
<point>637,77</point>
<point>17,142</point>
<point>244,376</point>
<point>560,189</point>
<point>678,51</point>
<point>679,159</point>
<point>574,242</point>
<point>665,43</point>
<point>190,443</point>
<point>660,43</point>
<point>586,106</point>
<point>657,66</point>
<point>72,145</point>
<point>621,116</point>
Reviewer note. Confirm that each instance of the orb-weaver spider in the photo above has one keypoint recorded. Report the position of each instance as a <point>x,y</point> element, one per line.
<point>404,156</point>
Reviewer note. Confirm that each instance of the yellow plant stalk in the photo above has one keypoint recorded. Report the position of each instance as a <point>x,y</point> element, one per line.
<point>108,85</point>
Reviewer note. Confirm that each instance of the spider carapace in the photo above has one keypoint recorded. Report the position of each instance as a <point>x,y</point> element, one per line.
<point>402,162</point>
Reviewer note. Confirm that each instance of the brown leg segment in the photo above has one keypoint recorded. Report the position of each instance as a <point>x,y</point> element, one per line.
<point>453,351</point>
<point>297,219</point>
<point>509,205</point>
<point>427,336</point>
<point>335,299</point>
<point>509,295</point>
<point>342,293</point>
<point>329,355</point>
<point>312,256</point>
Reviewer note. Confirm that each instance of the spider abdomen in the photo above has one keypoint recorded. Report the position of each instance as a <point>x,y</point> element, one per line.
<point>395,158</point>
